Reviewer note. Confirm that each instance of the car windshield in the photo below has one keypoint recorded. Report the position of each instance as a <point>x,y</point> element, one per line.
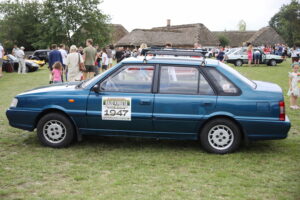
<point>231,51</point>
<point>85,83</point>
<point>240,76</point>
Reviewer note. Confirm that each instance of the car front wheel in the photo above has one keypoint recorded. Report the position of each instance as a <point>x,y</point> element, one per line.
<point>55,130</point>
<point>238,63</point>
<point>220,136</point>
<point>273,62</point>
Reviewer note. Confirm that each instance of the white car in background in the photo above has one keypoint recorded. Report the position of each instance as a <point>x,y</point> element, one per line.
<point>239,56</point>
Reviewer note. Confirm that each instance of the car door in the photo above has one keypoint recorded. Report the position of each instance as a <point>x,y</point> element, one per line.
<point>183,100</point>
<point>124,103</point>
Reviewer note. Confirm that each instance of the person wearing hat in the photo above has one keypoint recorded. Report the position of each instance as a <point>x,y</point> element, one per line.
<point>1,59</point>
<point>20,55</point>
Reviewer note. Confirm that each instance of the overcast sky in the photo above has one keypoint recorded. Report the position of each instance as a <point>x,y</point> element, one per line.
<point>216,15</point>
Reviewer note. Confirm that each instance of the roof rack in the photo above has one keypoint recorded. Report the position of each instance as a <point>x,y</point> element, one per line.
<point>175,52</point>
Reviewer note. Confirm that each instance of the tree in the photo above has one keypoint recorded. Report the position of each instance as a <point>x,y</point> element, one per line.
<point>19,23</point>
<point>287,22</point>
<point>38,24</point>
<point>73,21</point>
<point>242,25</point>
<point>224,41</point>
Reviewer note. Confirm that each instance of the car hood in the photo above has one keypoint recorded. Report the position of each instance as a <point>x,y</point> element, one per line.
<point>57,88</point>
<point>267,87</point>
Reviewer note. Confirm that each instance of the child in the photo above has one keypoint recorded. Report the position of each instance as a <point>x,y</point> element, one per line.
<point>294,84</point>
<point>57,72</point>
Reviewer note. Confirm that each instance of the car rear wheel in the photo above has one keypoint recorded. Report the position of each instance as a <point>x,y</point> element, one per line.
<point>55,130</point>
<point>220,136</point>
<point>273,62</point>
<point>238,63</point>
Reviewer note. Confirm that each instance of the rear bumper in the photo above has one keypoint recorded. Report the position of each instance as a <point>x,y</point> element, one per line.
<point>22,119</point>
<point>266,130</point>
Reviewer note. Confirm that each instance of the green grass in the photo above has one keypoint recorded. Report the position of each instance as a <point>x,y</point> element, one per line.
<point>118,168</point>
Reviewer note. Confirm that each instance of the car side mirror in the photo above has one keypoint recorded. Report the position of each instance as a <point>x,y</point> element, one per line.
<point>96,88</point>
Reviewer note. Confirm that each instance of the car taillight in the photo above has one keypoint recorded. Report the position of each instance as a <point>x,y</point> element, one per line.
<point>281,111</point>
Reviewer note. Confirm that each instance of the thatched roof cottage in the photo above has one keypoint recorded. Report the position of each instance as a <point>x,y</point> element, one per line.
<point>264,36</point>
<point>181,36</point>
<point>118,31</point>
<point>236,38</point>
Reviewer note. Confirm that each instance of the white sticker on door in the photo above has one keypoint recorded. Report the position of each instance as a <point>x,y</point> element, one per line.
<point>116,108</point>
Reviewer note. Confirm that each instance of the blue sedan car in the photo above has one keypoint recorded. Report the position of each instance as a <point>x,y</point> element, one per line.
<point>167,97</point>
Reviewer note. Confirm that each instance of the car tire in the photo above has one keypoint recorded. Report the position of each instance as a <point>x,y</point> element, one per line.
<point>272,62</point>
<point>55,130</point>
<point>220,136</point>
<point>238,63</point>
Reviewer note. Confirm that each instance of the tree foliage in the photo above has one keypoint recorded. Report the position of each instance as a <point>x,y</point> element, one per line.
<point>224,41</point>
<point>38,24</point>
<point>19,22</point>
<point>287,23</point>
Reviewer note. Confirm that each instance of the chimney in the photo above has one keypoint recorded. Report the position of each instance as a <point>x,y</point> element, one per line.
<point>168,22</point>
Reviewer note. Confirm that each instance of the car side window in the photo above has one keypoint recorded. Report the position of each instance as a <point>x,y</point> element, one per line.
<point>130,78</point>
<point>179,80</point>
<point>204,87</point>
<point>223,84</point>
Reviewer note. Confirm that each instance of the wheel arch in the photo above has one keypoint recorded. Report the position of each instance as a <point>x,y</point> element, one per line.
<point>243,132</point>
<point>56,110</point>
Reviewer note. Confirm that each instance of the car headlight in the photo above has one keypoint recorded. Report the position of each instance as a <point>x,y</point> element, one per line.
<point>14,102</point>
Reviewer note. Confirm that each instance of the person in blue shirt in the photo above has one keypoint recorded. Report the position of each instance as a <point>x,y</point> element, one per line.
<point>54,56</point>
<point>280,50</point>
<point>221,55</point>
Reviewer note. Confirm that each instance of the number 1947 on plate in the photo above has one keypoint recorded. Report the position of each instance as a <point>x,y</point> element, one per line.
<point>116,108</point>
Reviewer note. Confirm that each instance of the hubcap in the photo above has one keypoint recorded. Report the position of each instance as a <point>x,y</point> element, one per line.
<point>54,131</point>
<point>220,137</point>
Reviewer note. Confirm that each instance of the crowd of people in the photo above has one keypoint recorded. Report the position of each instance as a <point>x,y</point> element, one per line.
<point>78,63</point>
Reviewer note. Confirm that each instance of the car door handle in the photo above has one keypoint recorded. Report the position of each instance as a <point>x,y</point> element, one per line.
<point>207,103</point>
<point>145,102</point>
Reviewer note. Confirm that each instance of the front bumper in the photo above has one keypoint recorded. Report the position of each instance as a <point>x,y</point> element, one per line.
<point>22,119</point>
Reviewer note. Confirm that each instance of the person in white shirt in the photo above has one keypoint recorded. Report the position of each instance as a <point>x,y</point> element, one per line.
<point>20,55</point>
<point>105,59</point>
<point>1,59</point>
<point>294,55</point>
<point>72,61</point>
<point>64,55</point>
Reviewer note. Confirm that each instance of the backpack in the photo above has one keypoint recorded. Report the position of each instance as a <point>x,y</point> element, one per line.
<point>9,68</point>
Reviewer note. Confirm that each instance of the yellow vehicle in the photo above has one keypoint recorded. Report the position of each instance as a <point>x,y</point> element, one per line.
<point>39,62</point>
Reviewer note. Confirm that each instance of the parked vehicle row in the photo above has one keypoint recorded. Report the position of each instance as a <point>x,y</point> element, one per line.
<point>238,57</point>
<point>11,63</point>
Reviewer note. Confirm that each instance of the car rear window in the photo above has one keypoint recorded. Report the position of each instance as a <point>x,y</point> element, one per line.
<point>224,86</point>
<point>239,76</point>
